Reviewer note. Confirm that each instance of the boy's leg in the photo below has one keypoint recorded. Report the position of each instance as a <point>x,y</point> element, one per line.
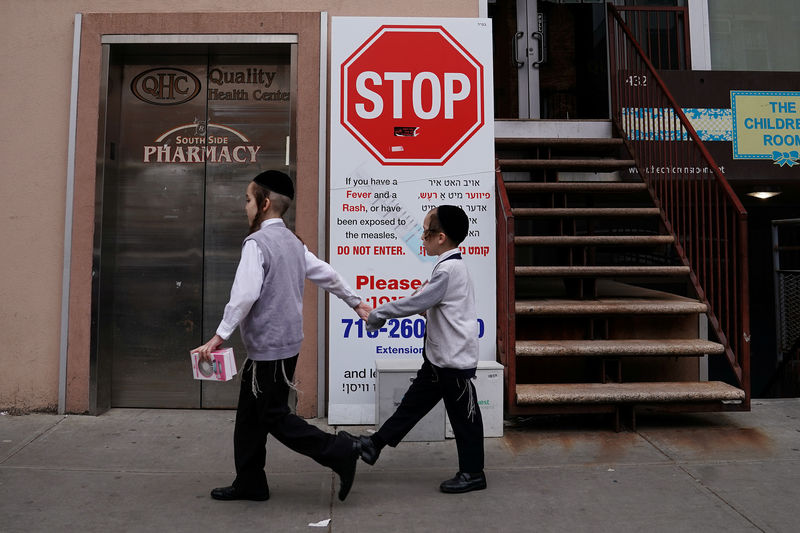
<point>250,436</point>
<point>294,432</point>
<point>263,408</point>
<point>461,404</point>
<point>422,396</point>
<point>337,452</point>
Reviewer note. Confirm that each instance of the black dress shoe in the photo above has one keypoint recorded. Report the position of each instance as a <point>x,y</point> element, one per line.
<point>232,493</point>
<point>369,452</point>
<point>464,482</point>
<point>347,465</point>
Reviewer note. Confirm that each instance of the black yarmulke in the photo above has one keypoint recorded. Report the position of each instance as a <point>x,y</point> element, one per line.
<point>276,181</point>
<point>454,222</point>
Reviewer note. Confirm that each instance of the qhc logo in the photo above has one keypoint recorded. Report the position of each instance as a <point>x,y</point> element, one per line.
<point>177,145</point>
<point>165,86</point>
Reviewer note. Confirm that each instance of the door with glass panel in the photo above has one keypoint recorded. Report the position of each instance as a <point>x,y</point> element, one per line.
<point>550,59</point>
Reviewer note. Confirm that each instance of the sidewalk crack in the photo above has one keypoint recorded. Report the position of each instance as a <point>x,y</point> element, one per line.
<point>700,482</point>
<point>36,437</point>
<point>720,498</point>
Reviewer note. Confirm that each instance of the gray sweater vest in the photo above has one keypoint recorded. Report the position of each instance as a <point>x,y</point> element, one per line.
<point>273,329</point>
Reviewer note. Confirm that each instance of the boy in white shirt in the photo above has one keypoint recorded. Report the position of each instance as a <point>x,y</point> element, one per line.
<point>450,353</point>
<point>267,305</point>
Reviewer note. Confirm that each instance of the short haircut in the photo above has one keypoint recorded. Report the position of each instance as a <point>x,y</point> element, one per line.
<point>453,221</point>
<point>281,202</point>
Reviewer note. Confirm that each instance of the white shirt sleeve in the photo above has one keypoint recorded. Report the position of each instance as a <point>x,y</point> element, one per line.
<point>246,288</point>
<point>323,275</point>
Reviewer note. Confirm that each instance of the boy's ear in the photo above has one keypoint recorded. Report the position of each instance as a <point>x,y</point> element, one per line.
<point>264,206</point>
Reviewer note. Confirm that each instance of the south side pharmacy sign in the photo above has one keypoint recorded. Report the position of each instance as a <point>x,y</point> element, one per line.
<point>411,128</point>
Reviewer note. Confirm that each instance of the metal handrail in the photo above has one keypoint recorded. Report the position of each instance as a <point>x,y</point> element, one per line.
<point>638,20</point>
<point>697,204</point>
<point>506,305</point>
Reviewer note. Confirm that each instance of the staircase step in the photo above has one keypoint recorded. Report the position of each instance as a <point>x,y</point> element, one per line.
<point>528,212</point>
<point>648,392</point>
<point>565,164</point>
<point>594,240</point>
<point>619,348</point>
<point>531,187</point>
<point>580,142</point>
<point>601,271</point>
<point>610,306</point>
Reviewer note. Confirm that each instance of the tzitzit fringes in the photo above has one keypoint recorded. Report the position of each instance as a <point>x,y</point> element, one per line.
<point>253,381</point>
<point>291,384</point>
<point>471,405</point>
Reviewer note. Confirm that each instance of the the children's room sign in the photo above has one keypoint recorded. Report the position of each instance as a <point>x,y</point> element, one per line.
<point>748,120</point>
<point>766,125</point>
<point>411,128</point>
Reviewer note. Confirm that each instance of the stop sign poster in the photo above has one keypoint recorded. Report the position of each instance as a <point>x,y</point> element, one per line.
<point>411,128</point>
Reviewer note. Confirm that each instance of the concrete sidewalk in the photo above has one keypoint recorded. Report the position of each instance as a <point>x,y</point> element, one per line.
<point>152,470</point>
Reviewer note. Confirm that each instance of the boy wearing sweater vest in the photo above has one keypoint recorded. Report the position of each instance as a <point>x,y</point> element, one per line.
<point>450,353</point>
<point>267,305</point>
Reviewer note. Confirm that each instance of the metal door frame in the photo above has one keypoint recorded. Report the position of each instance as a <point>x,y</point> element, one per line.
<point>99,375</point>
<point>529,40</point>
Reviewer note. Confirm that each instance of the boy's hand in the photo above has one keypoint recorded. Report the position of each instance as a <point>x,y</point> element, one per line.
<point>206,349</point>
<point>374,323</point>
<point>363,309</point>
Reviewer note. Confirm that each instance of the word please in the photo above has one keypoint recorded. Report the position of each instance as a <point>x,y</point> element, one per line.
<point>371,282</point>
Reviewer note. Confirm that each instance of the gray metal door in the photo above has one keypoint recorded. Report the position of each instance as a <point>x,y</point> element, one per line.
<point>265,120</point>
<point>193,130</point>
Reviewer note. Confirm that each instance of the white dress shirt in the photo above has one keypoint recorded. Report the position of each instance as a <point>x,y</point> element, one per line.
<point>246,287</point>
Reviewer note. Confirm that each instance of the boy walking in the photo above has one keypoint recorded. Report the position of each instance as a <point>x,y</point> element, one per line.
<point>266,304</point>
<point>450,353</point>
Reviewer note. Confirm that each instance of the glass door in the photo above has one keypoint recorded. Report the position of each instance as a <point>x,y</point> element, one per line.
<point>550,59</point>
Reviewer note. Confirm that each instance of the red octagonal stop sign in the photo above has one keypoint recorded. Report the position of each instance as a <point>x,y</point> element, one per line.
<point>412,95</point>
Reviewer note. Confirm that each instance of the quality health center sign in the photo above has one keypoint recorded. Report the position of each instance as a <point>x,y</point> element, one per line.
<point>412,127</point>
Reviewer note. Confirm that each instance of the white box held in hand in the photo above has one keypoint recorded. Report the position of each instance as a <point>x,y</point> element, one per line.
<point>221,368</point>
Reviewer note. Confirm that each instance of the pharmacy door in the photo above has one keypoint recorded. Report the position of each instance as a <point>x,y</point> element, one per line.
<point>550,59</point>
<point>186,128</point>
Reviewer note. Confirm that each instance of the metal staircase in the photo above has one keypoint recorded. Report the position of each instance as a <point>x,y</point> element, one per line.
<point>616,254</point>
<point>597,312</point>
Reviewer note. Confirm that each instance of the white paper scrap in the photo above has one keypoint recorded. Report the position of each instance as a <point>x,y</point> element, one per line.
<point>321,523</point>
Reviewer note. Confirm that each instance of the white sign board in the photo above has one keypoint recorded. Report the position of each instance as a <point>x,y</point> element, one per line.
<point>412,127</point>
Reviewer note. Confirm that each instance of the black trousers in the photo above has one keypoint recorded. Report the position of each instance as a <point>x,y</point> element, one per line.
<point>267,412</point>
<point>431,385</point>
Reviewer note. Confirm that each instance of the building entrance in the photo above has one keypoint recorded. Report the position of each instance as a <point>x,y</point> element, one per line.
<point>186,128</point>
<point>550,59</point>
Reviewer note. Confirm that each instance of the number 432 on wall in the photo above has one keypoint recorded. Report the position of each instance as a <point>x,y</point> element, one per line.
<point>636,80</point>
